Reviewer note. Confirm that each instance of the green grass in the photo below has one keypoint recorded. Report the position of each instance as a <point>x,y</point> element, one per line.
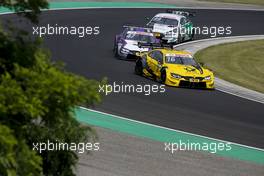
<point>256,2</point>
<point>241,62</point>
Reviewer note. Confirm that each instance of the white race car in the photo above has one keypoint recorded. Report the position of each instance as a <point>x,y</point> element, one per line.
<point>172,27</point>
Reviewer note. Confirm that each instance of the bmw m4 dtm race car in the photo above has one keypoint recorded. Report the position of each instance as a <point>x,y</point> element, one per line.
<point>173,26</point>
<point>172,67</point>
<point>126,43</point>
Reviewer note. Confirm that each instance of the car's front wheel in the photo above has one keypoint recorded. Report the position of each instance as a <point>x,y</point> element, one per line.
<point>163,76</point>
<point>115,48</point>
<point>192,35</point>
<point>180,39</point>
<point>138,68</point>
<point>116,51</point>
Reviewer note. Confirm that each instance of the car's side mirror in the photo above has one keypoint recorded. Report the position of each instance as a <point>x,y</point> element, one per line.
<point>138,54</point>
<point>160,62</point>
<point>148,18</point>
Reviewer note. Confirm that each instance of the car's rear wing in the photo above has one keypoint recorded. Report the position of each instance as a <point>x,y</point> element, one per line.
<point>183,13</point>
<point>155,45</point>
<point>137,28</point>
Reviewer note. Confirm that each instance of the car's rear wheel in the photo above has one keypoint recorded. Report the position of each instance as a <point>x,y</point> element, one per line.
<point>139,68</point>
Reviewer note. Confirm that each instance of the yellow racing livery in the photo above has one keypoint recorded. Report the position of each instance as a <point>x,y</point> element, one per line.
<point>173,68</point>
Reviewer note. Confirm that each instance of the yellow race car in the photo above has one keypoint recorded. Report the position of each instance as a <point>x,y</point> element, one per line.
<point>173,68</point>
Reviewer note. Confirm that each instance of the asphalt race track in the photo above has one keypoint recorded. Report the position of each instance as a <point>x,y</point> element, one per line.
<point>210,113</point>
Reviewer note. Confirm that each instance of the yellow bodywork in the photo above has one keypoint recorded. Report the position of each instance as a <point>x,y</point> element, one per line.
<point>186,75</point>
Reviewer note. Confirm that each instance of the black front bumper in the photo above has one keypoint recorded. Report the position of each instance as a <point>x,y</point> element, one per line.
<point>188,84</point>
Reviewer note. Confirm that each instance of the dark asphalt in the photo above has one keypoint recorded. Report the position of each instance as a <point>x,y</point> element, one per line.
<point>210,113</point>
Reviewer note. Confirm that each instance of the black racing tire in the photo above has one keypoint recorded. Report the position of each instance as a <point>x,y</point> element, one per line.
<point>179,39</point>
<point>116,51</point>
<point>192,36</point>
<point>163,76</point>
<point>139,68</point>
<point>114,46</point>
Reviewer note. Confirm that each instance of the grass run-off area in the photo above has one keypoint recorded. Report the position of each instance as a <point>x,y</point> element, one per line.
<point>241,63</point>
<point>256,2</point>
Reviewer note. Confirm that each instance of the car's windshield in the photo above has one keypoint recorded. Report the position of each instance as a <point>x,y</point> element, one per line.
<point>180,60</point>
<point>165,21</point>
<point>140,37</point>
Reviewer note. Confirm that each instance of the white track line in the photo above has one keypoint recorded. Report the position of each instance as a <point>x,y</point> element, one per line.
<point>219,38</point>
<point>184,132</point>
<point>240,96</point>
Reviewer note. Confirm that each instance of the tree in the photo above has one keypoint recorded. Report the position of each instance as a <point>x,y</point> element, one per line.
<point>27,8</point>
<point>16,158</point>
<point>37,102</point>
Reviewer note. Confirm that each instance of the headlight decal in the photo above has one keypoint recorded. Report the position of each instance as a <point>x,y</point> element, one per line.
<point>174,75</point>
<point>207,78</point>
